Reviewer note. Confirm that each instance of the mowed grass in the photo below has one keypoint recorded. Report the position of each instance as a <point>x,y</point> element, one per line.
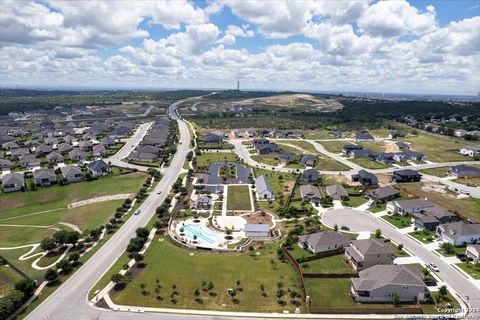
<point>377,147</point>
<point>17,236</point>
<point>470,268</point>
<point>437,172</point>
<point>334,146</point>
<point>329,164</point>
<point>369,164</point>
<point>173,265</point>
<point>398,221</point>
<point>438,148</point>
<point>8,278</point>
<point>206,158</point>
<point>238,198</point>
<point>271,160</point>
<point>333,264</point>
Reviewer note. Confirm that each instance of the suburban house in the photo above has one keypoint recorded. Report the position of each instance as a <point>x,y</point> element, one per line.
<point>212,138</point>
<point>72,174</point>
<point>413,155</point>
<point>17,153</point>
<point>363,136</point>
<point>13,182</point>
<point>473,252</point>
<point>203,202</point>
<point>409,206</point>
<point>54,157</point>
<point>348,148</point>
<point>42,150</point>
<point>142,156</point>
<point>308,160</point>
<point>337,192</point>
<point>99,168</point>
<point>396,134</point>
<point>263,189</point>
<point>99,151</point>
<point>402,146</point>
<point>5,165</point>
<point>77,155</point>
<point>432,217</point>
<point>310,193</point>
<point>266,148</point>
<point>363,153</point>
<point>470,151</point>
<point>406,175</point>
<point>366,253</point>
<point>323,241</point>
<point>64,148</point>
<point>464,172</point>
<point>379,283</point>
<point>287,157</point>
<point>10,145</point>
<point>260,230</point>
<point>337,134</point>
<point>44,177</point>
<point>310,176</point>
<point>365,178</point>
<point>386,157</point>
<point>29,161</point>
<point>383,194</point>
<point>459,233</point>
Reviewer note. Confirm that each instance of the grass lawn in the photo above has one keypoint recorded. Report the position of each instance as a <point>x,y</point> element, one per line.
<point>369,164</point>
<point>318,134</point>
<point>424,236</point>
<point>224,145</point>
<point>16,236</point>
<point>378,207</point>
<point>334,146</point>
<point>279,181</point>
<point>8,278</point>
<point>469,182</point>
<point>25,265</point>
<point>396,251</point>
<point>377,147</point>
<point>354,201</point>
<point>332,264</point>
<point>266,159</point>
<point>455,251</point>
<point>471,269</point>
<point>305,145</point>
<point>173,265</point>
<point>468,207</point>
<point>206,158</point>
<point>329,164</point>
<point>239,198</point>
<point>438,148</point>
<point>398,221</point>
<point>437,172</point>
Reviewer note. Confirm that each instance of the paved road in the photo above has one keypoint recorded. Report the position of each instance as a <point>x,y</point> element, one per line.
<point>131,144</point>
<point>359,221</point>
<point>69,300</point>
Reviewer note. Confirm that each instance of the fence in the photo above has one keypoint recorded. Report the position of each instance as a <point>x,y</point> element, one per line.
<point>330,275</point>
<point>366,310</point>
<point>299,270</point>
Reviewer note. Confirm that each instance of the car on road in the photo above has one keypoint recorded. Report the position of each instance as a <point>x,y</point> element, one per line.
<point>345,228</point>
<point>159,192</point>
<point>464,192</point>
<point>433,267</point>
<point>137,212</point>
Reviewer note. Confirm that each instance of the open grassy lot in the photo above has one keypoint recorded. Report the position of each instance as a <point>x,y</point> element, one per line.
<point>369,164</point>
<point>173,265</point>
<point>305,145</point>
<point>470,268</point>
<point>329,164</point>
<point>438,172</point>
<point>334,146</point>
<point>269,159</point>
<point>318,134</point>
<point>469,182</point>
<point>438,148</point>
<point>17,236</point>
<point>333,264</point>
<point>206,158</point>
<point>397,252</point>
<point>398,221</point>
<point>468,207</point>
<point>239,198</point>
<point>377,147</point>
<point>8,278</point>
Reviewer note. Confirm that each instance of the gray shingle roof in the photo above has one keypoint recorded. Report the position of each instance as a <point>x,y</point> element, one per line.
<point>324,238</point>
<point>381,275</point>
<point>372,246</point>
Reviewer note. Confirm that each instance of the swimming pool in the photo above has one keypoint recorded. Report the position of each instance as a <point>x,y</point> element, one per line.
<point>203,235</point>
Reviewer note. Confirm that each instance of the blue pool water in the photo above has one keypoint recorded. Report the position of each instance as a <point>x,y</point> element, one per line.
<point>203,235</point>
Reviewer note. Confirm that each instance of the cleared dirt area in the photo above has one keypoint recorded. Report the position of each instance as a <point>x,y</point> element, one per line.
<point>292,100</point>
<point>100,199</point>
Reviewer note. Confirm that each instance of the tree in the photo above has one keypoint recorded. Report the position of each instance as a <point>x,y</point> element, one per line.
<point>400,247</point>
<point>73,257</point>
<point>447,248</point>
<point>138,257</point>
<point>117,278</point>
<point>196,293</point>
<point>135,244</point>
<point>443,291</point>
<point>395,299</point>
<point>378,233</point>
<point>142,233</point>
<point>48,244</point>
<point>51,275</point>
<point>26,285</point>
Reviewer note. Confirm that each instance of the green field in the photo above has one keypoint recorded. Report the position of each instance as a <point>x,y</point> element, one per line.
<point>8,278</point>
<point>173,265</point>
<point>438,172</point>
<point>271,160</point>
<point>354,201</point>
<point>377,147</point>
<point>329,164</point>
<point>398,221</point>
<point>438,148</point>
<point>239,198</point>
<point>206,158</point>
<point>369,164</point>
<point>334,146</point>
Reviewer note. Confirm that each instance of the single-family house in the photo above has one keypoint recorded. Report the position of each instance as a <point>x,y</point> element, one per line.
<point>54,157</point>
<point>363,136</point>
<point>459,233</point>
<point>396,134</point>
<point>308,160</point>
<point>470,151</point>
<point>10,145</point>
<point>77,155</point>
<point>5,165</point>
<point>473,252</point>
<point>310,193</point>
<point>363,153</point>
<point>266,148</point>
<point>337,134</point>
<point>44,177</point>
<point>287,157</point>
<point>17,153</point>
<point>348,148</point>
<point>383,194</point>
<point>337,192</point>
<point>310,176</point>
<point>365,178</point>
<point>29,161</point>
<point>386,157</point>
<point>402,146</point>
<point>406,175</point>
<point>64,148</point>
<point>409,206</point>
<point>263,189</point>
<point>99,168</point>
<point>432,217</point>
<point>380,283</point>
<point>323,241</point>
<point>72,174</point>
<point>142,156</point>
<point>99,151</point>
<point>13,182</point>
<point>366,253</point>
<point>464,172</point>
<point>42,150</point>
<point>212,138</point>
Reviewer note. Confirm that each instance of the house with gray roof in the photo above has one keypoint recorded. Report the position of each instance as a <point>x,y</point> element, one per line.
<point>99,168</point>
<point>430,218</point>
<point>365,253</point>
<point>142,156</point>
<point>383,194</point>
<point>459,233</point>
<point>99,151</point>
<point>17,153</point>
<point>473,252</point>
<point>10,145</point>
<point>287,157</point>
<point>5,165</point>
<point>363,136</point>
<point>77,155</point>
<point>308,160</point>
<point>365,178</point>
<point>72,174</point>
<point>44,177</point>
<point>64,148</point>
<point>310,176</point>
<point>263,190</point>
<point>323,241</point>
<point>336,192</point>
<point>406,175</point>
<point>266,148</point>
<point>13,182</point>
<point>42,150</point>
<point>29,161</point>
<point>409,206</point>
<point>380,282</point>
<point>54,157</point>
<point>310,193</point>
<point>257,230</point>
<point>464,172</point>
<point>212,138</point>
<point>203,202</point>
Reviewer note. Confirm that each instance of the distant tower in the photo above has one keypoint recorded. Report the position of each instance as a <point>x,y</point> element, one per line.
<point>238,85</point>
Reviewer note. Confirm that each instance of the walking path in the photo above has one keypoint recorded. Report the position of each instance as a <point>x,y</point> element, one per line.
<point>120,196</point>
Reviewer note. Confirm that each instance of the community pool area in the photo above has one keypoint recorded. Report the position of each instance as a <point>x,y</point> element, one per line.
<point>197,232</point>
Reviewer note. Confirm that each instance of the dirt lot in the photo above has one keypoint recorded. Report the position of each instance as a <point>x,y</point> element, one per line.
<point>292,100</point>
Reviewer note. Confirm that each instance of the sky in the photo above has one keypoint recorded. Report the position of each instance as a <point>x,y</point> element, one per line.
<point>398,46</point>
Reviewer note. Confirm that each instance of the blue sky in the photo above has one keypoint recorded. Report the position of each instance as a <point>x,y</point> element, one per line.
<point>389,46</point>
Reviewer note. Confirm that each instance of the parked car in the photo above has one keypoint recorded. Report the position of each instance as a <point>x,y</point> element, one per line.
<point>433,267</point>
<point>462,257</point>
<point>430,282</point>
<point>137,212</point>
